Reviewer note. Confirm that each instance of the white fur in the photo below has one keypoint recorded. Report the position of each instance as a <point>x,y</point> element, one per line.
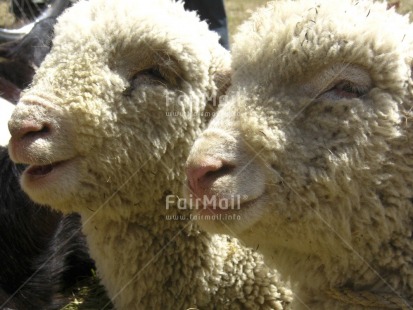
<point>317,132</point>
<point>6,109</point>
<point>100,102</point>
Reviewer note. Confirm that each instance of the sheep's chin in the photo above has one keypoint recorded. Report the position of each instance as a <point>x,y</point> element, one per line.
<point>236,221</point>
<point>48,184</point>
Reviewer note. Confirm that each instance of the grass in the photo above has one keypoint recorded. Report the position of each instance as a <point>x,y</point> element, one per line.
<point>88,294</point>
<point>6,18</point>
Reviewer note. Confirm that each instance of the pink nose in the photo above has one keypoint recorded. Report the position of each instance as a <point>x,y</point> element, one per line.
<point>203,174</point>
<point>28,130</point>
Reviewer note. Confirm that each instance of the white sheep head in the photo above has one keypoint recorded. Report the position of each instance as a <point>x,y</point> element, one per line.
<point>95,123</point>
<point>316,140</point>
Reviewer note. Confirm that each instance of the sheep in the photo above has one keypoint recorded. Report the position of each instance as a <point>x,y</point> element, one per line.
<point>315,137</point>
<point>105,129</point>
<point>42,253</point>
<point>18,61</point>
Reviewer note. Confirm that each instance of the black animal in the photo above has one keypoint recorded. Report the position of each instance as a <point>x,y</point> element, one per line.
<point>19,59</point>
<point>42,252</point>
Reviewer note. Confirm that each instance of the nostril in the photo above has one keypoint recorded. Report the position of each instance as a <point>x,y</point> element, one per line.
<point>215,174</point>
<point>35,132</point>
<point>202,175</point>
<point>30,130</point>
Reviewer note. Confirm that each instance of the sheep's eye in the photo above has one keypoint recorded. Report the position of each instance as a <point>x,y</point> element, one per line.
<point>344,90</point>
<point>152,73</point>
<point>151,76</point>
<point>338,81</point>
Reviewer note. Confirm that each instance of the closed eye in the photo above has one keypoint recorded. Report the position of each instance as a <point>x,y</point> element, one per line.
<point>338,81</point>
<point>344,90</point>
<point>152,73</point>
<point>150,76</point>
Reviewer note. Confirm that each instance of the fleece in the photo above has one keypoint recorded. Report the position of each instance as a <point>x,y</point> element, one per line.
<point>317,134</point>
<point>105,129</point>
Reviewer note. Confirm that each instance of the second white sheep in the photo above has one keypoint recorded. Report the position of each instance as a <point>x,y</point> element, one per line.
<point>316,139</point>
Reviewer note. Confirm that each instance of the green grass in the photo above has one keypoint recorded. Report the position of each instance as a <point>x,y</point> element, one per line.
<point>88,294</point>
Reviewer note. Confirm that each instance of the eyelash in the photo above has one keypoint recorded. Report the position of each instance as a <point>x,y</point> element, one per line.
<point>351,88</point>
<point>151,75</point>
<point>344,89</point>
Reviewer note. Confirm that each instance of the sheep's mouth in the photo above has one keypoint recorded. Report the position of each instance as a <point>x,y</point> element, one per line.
<point>42,170</point>
<point>235,206</point>
<point>39,178</point>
